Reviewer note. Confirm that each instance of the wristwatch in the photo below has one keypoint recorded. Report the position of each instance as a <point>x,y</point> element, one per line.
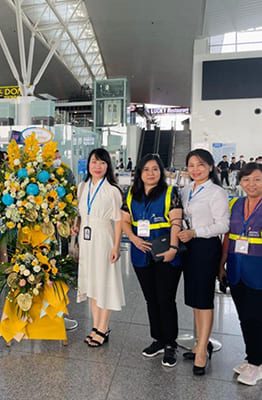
<point>174,247</point>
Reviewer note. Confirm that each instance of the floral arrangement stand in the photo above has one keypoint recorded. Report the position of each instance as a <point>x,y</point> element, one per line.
<point>37,205</point>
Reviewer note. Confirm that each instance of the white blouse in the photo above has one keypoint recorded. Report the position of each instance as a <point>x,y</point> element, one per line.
<point>206,209</point>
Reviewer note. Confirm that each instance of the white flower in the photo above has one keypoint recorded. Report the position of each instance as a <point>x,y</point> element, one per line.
<point>48,186</point>
<point>35,163</point>
<point>44,205</point>
<point>29,164</point>
<point>8,213</point>
<point>26,272</point>
<point>19,203</point>
<point>21,194</point>
<point>16,161</point>
<point>29,206</point>
<point>5,191</point>
<point>46,220</point>
<point>13,194</point>
<point>7,183</point>
<point>62,213</point>
<point>12,206</point>
<point>37,268</point>
<point>31,278</point>
<point>35,291</point>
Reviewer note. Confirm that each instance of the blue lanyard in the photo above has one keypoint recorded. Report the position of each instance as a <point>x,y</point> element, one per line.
<point>191,195</point>
<point>245,223</point>
<point>90,202</point>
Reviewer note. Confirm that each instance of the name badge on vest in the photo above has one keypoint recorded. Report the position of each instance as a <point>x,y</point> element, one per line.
<point>87,233</point>
<point>241,246</point>
<point>143,228</point>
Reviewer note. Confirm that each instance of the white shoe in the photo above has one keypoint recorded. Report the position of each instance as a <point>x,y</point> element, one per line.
<point>240,368</point>
<point>250,375</point>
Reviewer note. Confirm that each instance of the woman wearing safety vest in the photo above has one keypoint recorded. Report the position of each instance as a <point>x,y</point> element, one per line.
<point>99,277</point>
<point>206,212</point>
<point>152,209</point>
<point>242,250</point>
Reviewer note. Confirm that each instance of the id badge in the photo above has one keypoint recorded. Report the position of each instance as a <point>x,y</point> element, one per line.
<point>241,246</point>
<point>143,228</point>
<point>87,233</point>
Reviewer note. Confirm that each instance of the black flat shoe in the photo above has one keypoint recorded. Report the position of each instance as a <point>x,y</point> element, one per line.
<point>89,337</point>
<point>96,343</point>
<point>188,355</point>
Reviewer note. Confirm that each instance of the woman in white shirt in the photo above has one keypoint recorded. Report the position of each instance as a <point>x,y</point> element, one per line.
<point>206,210</point>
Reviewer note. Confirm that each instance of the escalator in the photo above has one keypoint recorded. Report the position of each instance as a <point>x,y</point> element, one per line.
<point>157,142</point>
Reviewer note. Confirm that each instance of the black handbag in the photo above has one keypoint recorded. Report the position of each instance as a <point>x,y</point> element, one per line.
<point>159,245</point>
<point>162,244</point>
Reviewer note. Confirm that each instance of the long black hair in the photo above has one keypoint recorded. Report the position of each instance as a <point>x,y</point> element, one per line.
<point>248,169</point>
<point>138,186</point>
<point>208,158</point>
<point>102,154</point>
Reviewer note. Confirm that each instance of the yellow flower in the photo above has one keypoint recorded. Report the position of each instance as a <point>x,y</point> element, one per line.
<point>33,179</point>
<point>61,205</point>
<point>34,262</point>
<point>16,268</point>
<point>7,175</point>
<point>31,148</point>
<point>37,228</point>
<point>48,153</point>
<point>39,200</point>
<point>13,153</point>
<point>54,270</point>
<point>10,225</point>
<point>74,202</point>
<point>21,210</point>
<point>69,197</point>
<point>60,171</point>
<point>26,230</point>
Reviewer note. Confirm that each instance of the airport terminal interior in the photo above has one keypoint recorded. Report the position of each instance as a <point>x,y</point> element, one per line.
<point>133,78</point>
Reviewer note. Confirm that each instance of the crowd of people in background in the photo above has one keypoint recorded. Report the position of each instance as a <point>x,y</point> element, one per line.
<point>229,171</point>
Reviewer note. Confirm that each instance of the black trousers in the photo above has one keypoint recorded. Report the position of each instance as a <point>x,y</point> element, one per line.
<point>248,303</point>
<point>159,282</point>
<point>224,175</point>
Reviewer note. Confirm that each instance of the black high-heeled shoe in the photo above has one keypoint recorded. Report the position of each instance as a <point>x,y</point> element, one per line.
<point>96,343</point>
<point>210,349</point>
<point>89,337</point>
<point>189,355</point>
<point>202,370</point>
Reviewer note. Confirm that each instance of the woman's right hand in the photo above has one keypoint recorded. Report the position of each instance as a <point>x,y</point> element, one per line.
<point>74,230</point>
<point>222,272</point>
<point>141,244</point>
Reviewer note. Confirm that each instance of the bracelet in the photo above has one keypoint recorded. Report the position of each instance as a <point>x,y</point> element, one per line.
<point>173,247</point>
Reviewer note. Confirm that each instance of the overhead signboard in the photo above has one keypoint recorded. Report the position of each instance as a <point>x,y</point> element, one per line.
<point>7,92</point>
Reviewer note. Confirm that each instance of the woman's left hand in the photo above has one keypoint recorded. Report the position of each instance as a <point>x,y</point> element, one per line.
<point>186,235</point>
<point>168,255</point>
<point>114,256</point>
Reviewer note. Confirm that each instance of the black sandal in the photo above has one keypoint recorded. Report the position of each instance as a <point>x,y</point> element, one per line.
<point>96,343</point>
<point>89,336</point>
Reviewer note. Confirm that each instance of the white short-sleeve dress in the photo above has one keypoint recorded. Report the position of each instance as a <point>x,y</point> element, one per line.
<point>97,277</point>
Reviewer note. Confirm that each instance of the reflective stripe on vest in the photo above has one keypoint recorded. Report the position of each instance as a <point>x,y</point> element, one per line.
<point>167,207</point>
<point>251,240</point>
<point>231,203</point>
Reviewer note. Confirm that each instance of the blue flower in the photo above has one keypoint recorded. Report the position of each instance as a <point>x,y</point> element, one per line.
<point>61,191</point>
<point>43,176</point>
<point>32,189</point>
<point>22,173</point>
<point>7,199</point>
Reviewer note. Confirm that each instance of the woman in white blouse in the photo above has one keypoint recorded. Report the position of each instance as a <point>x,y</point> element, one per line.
<point>206,210</point>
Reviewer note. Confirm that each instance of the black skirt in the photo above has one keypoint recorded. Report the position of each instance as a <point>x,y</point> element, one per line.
<point>201,265</point>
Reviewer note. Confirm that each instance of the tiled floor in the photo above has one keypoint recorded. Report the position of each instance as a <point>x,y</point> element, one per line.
<point>34,370</point>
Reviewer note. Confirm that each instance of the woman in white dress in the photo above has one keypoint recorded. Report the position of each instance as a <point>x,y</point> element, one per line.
<point>99,275</point>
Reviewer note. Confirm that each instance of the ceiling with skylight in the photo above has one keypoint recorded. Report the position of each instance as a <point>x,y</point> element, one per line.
<point>66,25</point>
